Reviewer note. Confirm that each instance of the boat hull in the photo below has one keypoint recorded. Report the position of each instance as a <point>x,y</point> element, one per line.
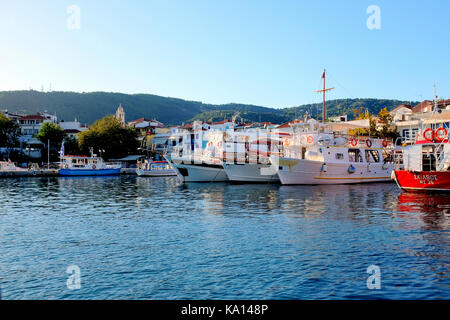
<point>299,171</point>
<point>422,180</point>
<point>89,172</point>
<point>253,173</point>
<point>155,173</point>
<point>200,172</point>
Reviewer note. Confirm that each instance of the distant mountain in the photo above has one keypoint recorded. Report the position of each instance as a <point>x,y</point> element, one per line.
<point>88,107</point>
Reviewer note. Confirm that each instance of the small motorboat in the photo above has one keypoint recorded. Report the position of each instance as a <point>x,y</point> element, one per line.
<point>155,169</point>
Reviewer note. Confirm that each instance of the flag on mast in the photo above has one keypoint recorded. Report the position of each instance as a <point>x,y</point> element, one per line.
<point>323,74</point>
<point>61,152</point>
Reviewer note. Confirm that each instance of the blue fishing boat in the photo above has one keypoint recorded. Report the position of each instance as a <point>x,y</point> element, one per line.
<point>87,166</point>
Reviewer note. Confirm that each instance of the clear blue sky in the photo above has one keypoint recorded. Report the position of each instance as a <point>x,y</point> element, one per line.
<point>268,53</point>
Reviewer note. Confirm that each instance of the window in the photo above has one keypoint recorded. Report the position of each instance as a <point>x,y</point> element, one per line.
<point>388,156</point>
<point>354,155</point>
<point>339,156</point>
<point>372,156</point>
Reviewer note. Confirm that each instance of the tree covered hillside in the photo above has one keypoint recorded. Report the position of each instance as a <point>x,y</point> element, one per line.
<point>89,107</point>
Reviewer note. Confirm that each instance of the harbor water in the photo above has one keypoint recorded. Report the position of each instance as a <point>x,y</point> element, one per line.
<point>153,238</point>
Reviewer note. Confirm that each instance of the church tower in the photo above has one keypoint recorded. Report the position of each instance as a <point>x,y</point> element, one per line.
<point>120,114</point>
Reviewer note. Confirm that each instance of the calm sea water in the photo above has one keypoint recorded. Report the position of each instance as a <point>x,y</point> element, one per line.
<point>152,238</point>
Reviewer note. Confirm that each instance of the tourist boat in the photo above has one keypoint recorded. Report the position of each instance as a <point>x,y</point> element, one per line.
<point>424,165</point>
<point>316,155</point>
<point>250,162</point>
<point>155,169</point>
<point>197,163</point>
<point>189,169</point>
<point>87,166</point>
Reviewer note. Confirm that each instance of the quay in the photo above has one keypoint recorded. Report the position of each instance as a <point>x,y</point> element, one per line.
<point>29,173</point>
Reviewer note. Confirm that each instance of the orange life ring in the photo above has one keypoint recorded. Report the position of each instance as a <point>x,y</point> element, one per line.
<point>286,142</point>
<point>353,142</point>
<point>384,143</point>
<point>310,139</point>
<point>432,134</point>
<point>368,143</point>
<point>436,134</point>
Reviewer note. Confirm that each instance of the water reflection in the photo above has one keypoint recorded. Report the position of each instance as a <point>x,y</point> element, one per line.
<point>220,241</point>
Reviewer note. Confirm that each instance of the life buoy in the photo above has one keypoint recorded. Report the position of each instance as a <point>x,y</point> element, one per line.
<point>286,142</point>
<point>425,134</point>
<point>310,139</point>
<point>384,143</point>
<point>353,142</point>
<point>368,143</point>
<point>439,137</point>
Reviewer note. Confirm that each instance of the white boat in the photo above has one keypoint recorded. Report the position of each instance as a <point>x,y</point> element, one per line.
<point>9,166</point>
<point>155,169</point>
<point>250,163</point>
<point>321,157</point>
<point>87,166</point>
<point>189,170</point>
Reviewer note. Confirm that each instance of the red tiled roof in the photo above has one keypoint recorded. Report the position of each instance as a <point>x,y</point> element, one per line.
<point>402,106</point>
<point>288,124</point>
<point>140,120</point>
<point>32,117</point>
<point>422,106</point>
<point>187,126</point>
<point>222,122</point>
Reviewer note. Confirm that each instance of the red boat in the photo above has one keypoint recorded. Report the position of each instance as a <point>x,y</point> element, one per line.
<point>425,165</point>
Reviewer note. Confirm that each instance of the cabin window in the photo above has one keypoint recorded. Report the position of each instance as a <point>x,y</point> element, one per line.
<point>388,156</point>
<point>372,156</point>
<point>339,156</point>
<point>354,155</point>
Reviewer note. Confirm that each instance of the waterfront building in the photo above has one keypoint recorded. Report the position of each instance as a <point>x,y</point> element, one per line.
<point>427,114</point>
<point>72,128</point>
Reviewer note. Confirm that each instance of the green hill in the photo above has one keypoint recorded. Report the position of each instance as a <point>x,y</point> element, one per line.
<point>88,107</point>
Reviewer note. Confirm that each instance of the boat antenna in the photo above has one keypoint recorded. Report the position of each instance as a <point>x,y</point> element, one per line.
<point>324,90</point>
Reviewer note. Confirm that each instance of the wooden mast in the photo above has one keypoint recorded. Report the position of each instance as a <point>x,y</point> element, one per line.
<point>324,91</point>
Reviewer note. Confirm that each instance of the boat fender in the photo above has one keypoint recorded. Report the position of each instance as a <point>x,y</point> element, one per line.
<point>94,167</point>
<point>351,169</point>
<point>324,168</point>
<point>385,166</point>
<point>66,166</point>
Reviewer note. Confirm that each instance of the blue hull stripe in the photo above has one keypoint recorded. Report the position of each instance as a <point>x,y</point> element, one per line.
<point>88,172</point>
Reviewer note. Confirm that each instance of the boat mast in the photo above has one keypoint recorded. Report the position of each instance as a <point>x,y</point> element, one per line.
<point>324,91</point>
